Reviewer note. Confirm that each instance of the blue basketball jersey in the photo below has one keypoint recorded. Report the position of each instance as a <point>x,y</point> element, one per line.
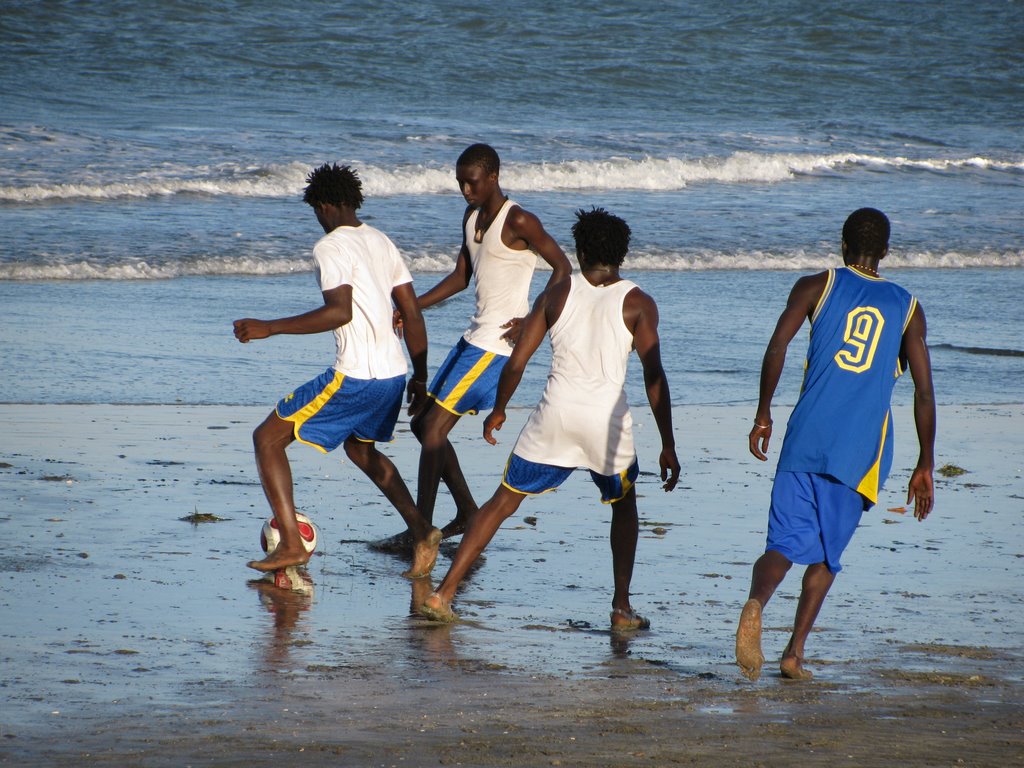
<point>842,423</point>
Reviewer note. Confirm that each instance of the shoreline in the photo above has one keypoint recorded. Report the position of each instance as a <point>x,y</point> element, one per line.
<point>131,636</point>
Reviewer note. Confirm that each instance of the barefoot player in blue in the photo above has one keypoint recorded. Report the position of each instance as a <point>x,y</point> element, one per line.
<point>355,402</point>
<point>838,447</point>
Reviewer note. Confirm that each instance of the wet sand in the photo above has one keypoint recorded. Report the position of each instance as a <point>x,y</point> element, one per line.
<point>132,636</point>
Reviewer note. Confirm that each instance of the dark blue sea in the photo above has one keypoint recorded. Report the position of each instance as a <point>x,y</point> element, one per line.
<point>153,154</point>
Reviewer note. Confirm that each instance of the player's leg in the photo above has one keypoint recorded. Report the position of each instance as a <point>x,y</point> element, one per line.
<point>270,439</point>
<point>768,572</point>
<point>437,457</point>
<point>465,383</point>
<point>839,509</point>
<point>625,530</point>
<point>479,532</point>
<point>382,471</point>
<point>618,490</point>
<point>817,581</point>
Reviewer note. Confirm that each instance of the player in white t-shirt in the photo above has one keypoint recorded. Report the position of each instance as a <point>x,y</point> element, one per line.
<point>594,320</point>
<point>355,402</point>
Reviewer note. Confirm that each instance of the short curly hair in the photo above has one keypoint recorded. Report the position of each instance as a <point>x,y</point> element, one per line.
<point>601,237</point>
<point>866,233</point>
<point>333,184</point>
<point>482,155</point>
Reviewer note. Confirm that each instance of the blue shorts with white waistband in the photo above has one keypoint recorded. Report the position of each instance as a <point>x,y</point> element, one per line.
<point>333,407</point>
<point>467,381</point>
<point>530,478</point>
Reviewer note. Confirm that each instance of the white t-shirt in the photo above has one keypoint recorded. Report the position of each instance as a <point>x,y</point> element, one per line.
<point>364,257</point>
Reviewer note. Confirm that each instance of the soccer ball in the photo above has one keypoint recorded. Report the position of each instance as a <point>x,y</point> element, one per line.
<point>270,536</point>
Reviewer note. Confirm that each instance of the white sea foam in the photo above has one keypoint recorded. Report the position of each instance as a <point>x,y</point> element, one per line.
<point>614,173</point>
<point>141,270</point>
<point>427,262</point>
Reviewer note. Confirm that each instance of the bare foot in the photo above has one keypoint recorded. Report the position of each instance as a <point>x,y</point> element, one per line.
<point>792,668</point>
<point>280,559</point>
<point>748,640</point>
<point>456,527</point>
<point>424,555</point>
<point>400,543</point>
<point>421,590</point>
<point>628,620</point>
<point>436,609</point>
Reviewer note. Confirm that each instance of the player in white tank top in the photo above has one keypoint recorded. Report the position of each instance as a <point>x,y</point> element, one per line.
<point>593,320</point>
<point>500,245</point>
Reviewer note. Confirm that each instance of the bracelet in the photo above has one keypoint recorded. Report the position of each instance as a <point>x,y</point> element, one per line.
<point>762,426</point>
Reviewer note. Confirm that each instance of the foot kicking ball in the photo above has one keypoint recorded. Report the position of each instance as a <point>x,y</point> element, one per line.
<point>270,536</point>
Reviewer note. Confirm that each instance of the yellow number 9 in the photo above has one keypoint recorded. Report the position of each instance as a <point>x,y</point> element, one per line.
<point>863,330</point>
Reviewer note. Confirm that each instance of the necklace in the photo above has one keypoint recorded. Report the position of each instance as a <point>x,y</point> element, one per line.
<point>865,269</point>
<point>478,235</point>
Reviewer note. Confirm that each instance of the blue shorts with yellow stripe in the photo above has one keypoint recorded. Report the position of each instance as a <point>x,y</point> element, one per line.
<point>333,407</point>
<point>467,381</point>
<point>530,478</point>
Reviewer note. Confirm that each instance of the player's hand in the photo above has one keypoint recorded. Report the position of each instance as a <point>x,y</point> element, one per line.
<point>493,421</point>
<point>398,324</point>
<point>922,492</point>
<point>515,328</point>
<point>416,396</point>
<point>669,468</point>
<point>758,439</point>
<point>248,329</point>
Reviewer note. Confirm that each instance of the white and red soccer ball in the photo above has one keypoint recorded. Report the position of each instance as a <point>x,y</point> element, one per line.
<point>270,536</point>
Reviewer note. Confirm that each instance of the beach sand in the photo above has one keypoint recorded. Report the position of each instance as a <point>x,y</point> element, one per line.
<point>131,632</point>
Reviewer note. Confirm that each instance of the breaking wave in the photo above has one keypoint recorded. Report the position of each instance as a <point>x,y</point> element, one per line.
<point>435,262</point>
<point>615,173</point>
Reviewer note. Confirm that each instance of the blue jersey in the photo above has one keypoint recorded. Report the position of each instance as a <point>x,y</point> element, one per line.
<point>842,423</point>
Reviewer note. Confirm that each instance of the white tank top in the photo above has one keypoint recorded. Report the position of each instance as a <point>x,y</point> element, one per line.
<point>583,419</point>
<point>502,283</point>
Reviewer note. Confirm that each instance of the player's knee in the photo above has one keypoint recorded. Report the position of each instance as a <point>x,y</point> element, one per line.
<point>416,426</point>
<point>360,453</point>
<point>264,438</point>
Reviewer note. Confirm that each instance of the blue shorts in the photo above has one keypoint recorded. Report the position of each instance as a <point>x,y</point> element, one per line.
<point>467,381</point>
<point>334,407</point>
<point>530,479</point>
<point>812,518</point>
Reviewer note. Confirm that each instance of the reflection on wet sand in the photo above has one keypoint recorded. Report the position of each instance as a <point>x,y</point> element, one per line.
<point>431,640</point>
<point>286,595</point>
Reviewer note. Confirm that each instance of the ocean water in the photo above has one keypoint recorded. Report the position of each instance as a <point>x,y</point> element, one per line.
<point>152,157</point>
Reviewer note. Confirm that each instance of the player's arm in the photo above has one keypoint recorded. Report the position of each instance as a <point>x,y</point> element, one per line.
<point>524,227</point>
<point>457,280</point>
<point>915,349</point>
<point>640,313</point>
<point>546,310</point>
<point>799,307</point>
<point>335,312</point>
<point>415,334</point>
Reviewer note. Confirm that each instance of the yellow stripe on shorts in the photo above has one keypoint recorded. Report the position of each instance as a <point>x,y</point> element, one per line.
<point>303,415</point>
<point>456,394</point>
